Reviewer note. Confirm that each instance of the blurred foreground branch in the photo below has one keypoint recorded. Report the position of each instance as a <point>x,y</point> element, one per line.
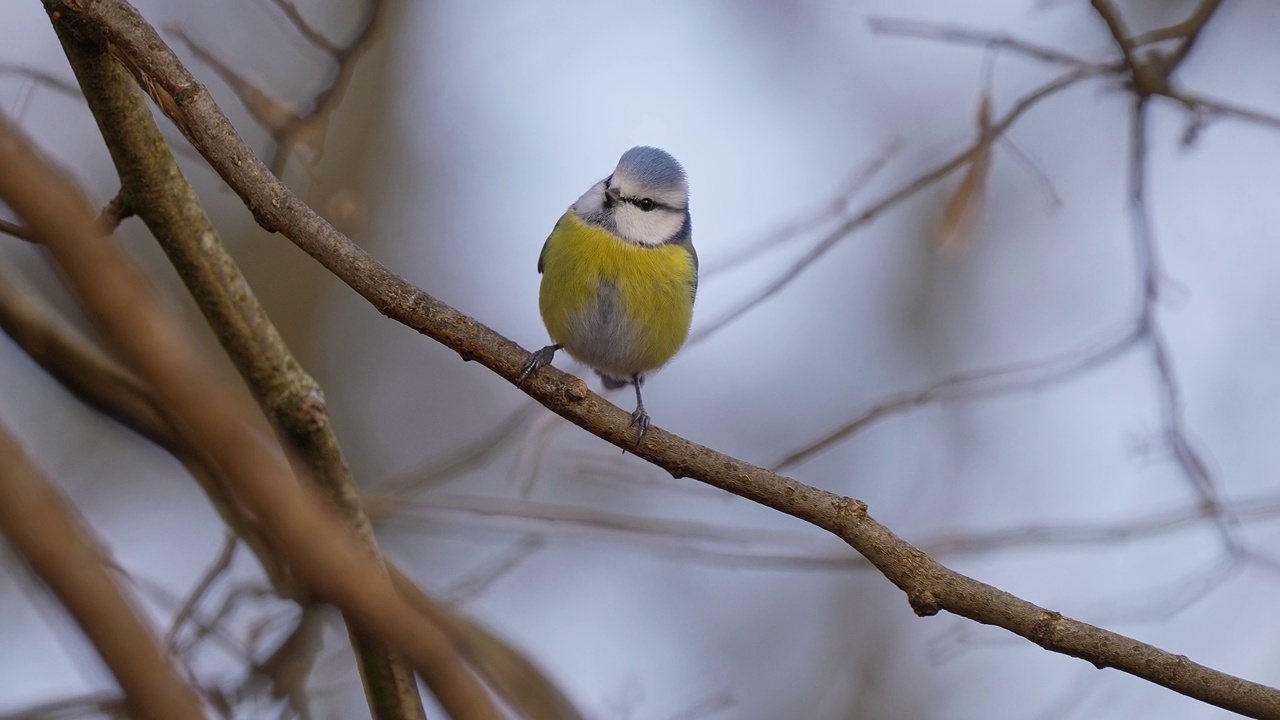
<point>321,552</point>
<point>99,382</point>
<point>156,189</point>
<point>52,539</point>
<point>929,586</point>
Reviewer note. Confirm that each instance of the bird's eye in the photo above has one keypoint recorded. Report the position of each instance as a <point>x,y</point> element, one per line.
<point>644,204</point>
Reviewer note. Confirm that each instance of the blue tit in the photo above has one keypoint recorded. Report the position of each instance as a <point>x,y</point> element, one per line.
<point>619,274</point>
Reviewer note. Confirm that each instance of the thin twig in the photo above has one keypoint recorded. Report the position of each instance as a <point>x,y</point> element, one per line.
<point>482,577</point>
<point>1189,461</point>
<point>219,565</point>
<point>902,27</point>
<point>293,127</point>
<point>875,209</point>
<point>304,28</point>
<point>981,384</point>
<point>1189,30</point>
<point>793,230</point>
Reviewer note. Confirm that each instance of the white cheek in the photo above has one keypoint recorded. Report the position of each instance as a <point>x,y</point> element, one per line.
<point>647,228</point>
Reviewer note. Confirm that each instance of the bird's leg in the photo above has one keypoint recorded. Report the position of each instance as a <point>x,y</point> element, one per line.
<point>537,360</point>
<point>639,418</point>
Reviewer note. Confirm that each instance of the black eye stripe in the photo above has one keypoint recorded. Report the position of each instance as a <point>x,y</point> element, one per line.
<point>646,204</point>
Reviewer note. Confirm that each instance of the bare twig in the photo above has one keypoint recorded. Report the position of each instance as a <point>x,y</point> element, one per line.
<point>793,230</point>
<point>313,121</point>
<point>440,470</point>
<point>1188,30</point>
<point>40,77</point>
<point>1144,327</point>
<point>304,28</point>
<point>692,541</point>
<point>1149,77</point>
<point>976,385</point>
<point>1189,460</point>
<point>765,549</point>
<point>875,209</point>
<point>1198,103</point>
<point>219,566</point>
<point>287,667</point>
<point>972,36</point>
<point>476,582</point>
<point>289,127</point>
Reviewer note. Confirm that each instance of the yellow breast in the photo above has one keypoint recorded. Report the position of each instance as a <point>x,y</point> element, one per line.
<point>621,308</point>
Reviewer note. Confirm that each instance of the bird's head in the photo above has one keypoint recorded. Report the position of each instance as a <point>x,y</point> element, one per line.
<point>645,201</point>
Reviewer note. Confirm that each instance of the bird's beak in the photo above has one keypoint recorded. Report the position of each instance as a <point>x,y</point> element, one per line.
<point>612,195</point>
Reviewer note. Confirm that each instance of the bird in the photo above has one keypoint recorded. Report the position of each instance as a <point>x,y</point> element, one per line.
<point>620,275</point>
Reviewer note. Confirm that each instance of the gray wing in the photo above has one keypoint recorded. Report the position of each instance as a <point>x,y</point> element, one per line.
<point>693,255</point>
<point>542,255</point>
<point>684,238</point>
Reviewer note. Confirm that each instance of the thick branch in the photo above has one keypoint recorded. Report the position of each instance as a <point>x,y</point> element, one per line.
<point>102,384</point>
<point>326,556</point>
<point>158,192</point>
<point>929,586</point>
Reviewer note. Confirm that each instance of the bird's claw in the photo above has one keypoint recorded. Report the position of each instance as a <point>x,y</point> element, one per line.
<point>640,420</point>
<point>537,360</point>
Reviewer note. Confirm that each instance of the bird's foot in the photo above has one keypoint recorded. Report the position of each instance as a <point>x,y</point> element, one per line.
<point>640,421</point>
<point>536,361</point>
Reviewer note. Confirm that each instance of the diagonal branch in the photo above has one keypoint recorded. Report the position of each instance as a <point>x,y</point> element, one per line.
<point>101,383</point>
<point>326,556</point>
<point>1188,30</point>
<point>973,385</point>
<point>929,586</point>
<point>45,529</point>
<point>903,27</point>
<point>97,381</point>
<point>879,207</point>
<point>156,189</point>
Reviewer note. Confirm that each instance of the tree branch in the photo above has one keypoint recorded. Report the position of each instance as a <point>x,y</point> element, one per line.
<point>326,556</point>
<point>156,189</point>
<point>899,194</point>
<point>100,383</point>
<point>50,536</point>
<point>929,586</point>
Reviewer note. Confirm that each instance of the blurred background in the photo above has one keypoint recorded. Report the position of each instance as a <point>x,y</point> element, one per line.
<point>1013,413</point>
